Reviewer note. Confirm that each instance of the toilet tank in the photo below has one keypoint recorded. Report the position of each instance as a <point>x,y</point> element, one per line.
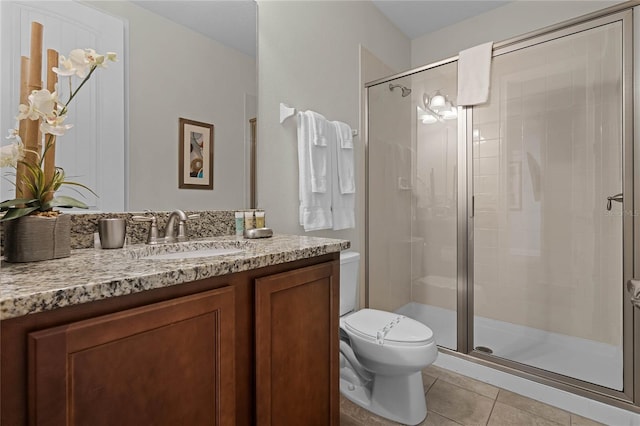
<point>349,267</point>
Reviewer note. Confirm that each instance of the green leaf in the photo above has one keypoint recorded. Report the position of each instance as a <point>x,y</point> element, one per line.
<point>67,182</point>
<point>16,213</point>
<point>64,201</point>
<point>16,201</point>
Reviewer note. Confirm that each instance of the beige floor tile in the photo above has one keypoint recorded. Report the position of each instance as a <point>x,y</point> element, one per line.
<point>534,407</point>
<point>354,411</point>
<point>432,371</point>
<point>458,404</point>
<point>468,383</point>
<point>506,415</point>
<point>577,420</point>
<point>359,416</point>
<point>435,419</point>
<point>348,421</point>
<point>427,381</point>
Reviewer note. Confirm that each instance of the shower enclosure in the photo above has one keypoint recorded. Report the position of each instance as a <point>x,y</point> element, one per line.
<point>508,227</point>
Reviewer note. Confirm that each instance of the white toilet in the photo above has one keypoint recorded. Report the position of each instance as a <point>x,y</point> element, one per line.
<point>381,354</point>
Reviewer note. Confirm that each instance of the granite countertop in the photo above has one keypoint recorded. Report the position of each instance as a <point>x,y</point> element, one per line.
<point>95,274</point>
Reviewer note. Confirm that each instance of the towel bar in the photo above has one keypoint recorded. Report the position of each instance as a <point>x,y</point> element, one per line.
<point>287,111</point>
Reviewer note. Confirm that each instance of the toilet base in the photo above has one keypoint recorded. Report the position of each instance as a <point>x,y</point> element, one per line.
<point>397,398</point>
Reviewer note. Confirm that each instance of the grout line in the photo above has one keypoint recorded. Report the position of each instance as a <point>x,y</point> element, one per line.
<point>495,401</point>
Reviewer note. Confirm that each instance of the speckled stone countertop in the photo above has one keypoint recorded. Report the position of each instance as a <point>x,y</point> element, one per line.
<point>95,274</point>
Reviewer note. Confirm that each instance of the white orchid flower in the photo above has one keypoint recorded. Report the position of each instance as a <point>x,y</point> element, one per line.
<point>112,56</point>
<point>55,125</point>
<point>11,154</point>
<point>27,111</point>
<point>93,58</point>
<point>77,63</point>
<point>14,133</point>
<point>44,102</point>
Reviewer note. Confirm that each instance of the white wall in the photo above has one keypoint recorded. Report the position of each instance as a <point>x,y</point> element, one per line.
<point>175,72</point>
<point>510,20</point>
<point>308,57</point>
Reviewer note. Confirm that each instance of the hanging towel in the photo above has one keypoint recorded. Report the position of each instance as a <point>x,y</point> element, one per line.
<point>318,152</point>
<point>345,160</point>
<point>319,128</point>
<point>474,74</point>
<point>315,207</point>
<point>343,199</point>
<point>345,134</point>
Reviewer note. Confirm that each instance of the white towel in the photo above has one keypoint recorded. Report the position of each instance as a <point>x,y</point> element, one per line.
<point>318,152</point>
<point>345,135</point>
<point>343,197</point>
<point>345,160</point>
<point>315,208</point>
<point>474,74</point>
<point>319,128</point>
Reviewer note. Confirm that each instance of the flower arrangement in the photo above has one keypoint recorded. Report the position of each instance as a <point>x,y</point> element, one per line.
<point>37,178</point>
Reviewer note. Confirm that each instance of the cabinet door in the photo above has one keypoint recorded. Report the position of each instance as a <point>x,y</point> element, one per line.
<point>297,356</point>
<point>169,363</point>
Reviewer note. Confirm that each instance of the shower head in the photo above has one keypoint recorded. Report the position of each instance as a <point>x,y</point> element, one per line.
<point>405,90</point>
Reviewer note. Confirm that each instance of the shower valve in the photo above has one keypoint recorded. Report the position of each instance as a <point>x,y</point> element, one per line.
<point>617,197</point>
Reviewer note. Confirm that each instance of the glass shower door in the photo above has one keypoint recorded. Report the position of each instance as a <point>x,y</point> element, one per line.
<point>547,246</point>
<point>412,198</point>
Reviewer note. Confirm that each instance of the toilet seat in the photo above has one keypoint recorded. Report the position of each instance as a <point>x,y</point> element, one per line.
<point>387,328</point>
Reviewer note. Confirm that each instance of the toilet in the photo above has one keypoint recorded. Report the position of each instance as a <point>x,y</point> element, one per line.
<point>382,354</point>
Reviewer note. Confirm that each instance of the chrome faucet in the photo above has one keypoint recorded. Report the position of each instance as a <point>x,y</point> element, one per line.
<point>170,234</point>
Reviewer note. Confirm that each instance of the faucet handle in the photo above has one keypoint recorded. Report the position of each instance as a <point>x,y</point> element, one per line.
<point>182,227</point>
<point>152,237</point>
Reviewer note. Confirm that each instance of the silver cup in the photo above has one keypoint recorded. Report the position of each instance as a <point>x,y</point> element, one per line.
<point>112,232</point>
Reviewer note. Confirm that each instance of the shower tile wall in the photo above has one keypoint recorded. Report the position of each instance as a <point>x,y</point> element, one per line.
<point>546,153</point>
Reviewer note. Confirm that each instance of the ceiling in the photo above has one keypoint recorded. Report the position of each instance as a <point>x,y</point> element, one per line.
<point>233,22</point>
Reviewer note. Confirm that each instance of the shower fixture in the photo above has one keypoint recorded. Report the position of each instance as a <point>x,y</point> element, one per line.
<point>405,90</point>
<point>435,108</point>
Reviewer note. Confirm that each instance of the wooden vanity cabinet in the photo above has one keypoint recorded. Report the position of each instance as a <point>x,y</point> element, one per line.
<point>297,354</point>
<point>167,363</point>
<point>190,354</point>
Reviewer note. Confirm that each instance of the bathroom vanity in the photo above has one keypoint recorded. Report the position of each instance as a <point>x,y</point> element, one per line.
<point>119,337</point>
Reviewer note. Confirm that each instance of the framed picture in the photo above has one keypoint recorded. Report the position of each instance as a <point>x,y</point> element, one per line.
<point>195,168</point>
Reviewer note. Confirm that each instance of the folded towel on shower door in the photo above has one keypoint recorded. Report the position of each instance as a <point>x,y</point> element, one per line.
<point>315,207</point>
<point>319,154</point>
<point>474,74</point>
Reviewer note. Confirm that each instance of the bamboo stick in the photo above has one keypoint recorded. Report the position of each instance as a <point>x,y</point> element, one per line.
<point>22,129</point>
<point>50,140</point>
<point>32,135</point>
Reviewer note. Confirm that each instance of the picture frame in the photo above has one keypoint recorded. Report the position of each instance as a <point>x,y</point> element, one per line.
<point>195,155</point>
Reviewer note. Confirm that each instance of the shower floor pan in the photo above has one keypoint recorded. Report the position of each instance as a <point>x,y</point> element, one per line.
<point>575,357</point>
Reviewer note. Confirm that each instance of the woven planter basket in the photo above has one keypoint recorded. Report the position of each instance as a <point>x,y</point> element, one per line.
<point>34,238</point>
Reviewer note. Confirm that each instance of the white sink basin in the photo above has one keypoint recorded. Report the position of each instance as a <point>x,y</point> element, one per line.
<point>209,252</point>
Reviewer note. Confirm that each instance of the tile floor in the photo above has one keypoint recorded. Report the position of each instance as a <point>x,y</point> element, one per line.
<point>454,399</point>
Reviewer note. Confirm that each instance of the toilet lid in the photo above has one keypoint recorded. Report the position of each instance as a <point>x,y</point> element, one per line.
<point>381,326</point>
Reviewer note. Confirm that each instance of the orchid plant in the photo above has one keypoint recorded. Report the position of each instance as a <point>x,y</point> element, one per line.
<point>46,106</point>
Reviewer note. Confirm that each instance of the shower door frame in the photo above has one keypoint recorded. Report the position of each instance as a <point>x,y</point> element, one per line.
<point>626,396</point>
<point>629,397</point>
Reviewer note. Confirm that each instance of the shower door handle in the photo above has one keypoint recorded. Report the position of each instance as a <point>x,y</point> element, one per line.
<point>633,287</point>
<point>617,197</point>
